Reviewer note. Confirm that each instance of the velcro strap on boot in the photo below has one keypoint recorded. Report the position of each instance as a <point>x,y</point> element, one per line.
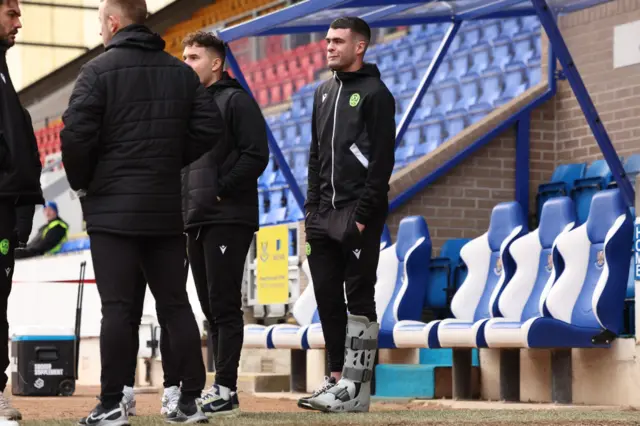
<point>361,375</point>
<point>358,344</point>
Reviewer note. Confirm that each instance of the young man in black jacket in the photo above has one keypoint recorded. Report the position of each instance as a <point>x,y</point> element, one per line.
<point>136,117</point>
<point>221,225</point>
<point>20,189</point>
<point>350,163</point>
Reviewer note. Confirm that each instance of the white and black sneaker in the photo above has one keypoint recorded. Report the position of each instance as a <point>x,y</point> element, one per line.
<point>128,400</point>
<point>328,383</point>
<point>101,416</point>
<point>220,400</point>
<point>187,413</point>
<point>170,398</point>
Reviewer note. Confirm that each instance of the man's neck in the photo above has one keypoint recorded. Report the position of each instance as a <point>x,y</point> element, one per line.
<point>356,66</point>
<point>216,78</point>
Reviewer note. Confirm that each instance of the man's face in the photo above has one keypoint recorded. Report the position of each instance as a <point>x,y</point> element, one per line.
<point>343,48</point>
<point>109,21</point>
<point>9,21</point>
<point>204,62</point>
<point>50,213</point>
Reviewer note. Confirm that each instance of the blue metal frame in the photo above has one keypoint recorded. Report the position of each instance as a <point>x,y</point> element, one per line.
<point>273,144</point>
<point>522,161</point>
<point>548,22</point>
<point>429,75</point>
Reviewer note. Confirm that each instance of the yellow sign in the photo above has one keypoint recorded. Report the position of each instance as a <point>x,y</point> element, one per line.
<point>273,265</point>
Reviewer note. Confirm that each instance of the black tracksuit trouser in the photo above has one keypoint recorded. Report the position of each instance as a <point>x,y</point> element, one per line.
<point>117,261</point>
<point>341,258</point>
<point>8,242</point>
<point>217,254</point>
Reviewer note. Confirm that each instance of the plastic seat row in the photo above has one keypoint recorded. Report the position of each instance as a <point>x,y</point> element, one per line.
<point>562,285</point>
<point>399,294</point>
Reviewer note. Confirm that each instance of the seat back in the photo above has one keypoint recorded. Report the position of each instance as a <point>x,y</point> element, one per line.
<point>489,264</point>
<point>385,239</point>
<point>591,287</point>
<point>401,296</point>
<point>632,168</point>
<point>532,255</point>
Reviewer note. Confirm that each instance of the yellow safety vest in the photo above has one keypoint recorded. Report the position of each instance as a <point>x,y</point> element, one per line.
<point>52,225</point>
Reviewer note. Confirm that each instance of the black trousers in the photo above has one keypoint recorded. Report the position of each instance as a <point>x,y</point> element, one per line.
<point>117,261</point>
<point>217,255</point>
<point>342,259</point>
<point>8,242</point>
<point>170,369</point>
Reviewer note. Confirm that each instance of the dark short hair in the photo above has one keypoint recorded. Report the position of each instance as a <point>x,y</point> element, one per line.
<point>134,10</point>
<point>355,24</point>
<point>206,40</point>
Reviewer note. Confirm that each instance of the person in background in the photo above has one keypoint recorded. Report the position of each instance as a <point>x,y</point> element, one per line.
<point>136,117</point>
<point>50,236</point>
<point>20,189</point>
<point>221,225</point>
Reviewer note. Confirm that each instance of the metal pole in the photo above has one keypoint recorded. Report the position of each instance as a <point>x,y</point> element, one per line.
<point>273,145</point>
<point>548,22</point>
<point>426,81</point>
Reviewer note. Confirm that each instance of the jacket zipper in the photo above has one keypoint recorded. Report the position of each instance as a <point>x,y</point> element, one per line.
<point>333,137</point>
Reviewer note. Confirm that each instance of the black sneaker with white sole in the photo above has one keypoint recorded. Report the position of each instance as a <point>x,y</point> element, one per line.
<point>187,413</point>
<point>101,416</point>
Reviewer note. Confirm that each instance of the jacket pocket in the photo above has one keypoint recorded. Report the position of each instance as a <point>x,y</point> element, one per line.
<point>359,155</point>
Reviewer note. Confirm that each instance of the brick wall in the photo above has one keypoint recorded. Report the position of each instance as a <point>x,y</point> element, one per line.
<point>615,92</point>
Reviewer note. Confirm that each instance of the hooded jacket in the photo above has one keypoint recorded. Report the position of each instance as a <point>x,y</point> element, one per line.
<point>136,117</point>
<point>351,156</point>
<point>236,165</point>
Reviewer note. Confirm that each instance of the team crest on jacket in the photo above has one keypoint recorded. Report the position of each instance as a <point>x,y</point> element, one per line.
<point>354,100</point>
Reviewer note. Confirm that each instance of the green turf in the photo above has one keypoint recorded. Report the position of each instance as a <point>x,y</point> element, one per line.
<point>413,417</point>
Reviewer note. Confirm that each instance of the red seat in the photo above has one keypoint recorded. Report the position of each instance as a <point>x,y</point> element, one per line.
<point>275,94</point>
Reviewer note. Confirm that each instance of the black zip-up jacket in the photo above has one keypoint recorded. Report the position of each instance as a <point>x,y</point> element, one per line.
<point>136,117</point>
<point>234,167</point>
<point>351,156</point>
<point>20,166</point>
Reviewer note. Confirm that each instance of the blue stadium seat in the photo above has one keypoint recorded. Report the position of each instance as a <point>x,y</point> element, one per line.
<point>584,305</point>
<point>406,73</point>
<point>489,266</point>
<point>308,102</point>
<point>480,58</point>
<point>276,216</point>
<point>510,27</point>
<point>535,71</point>
<point>530,23</point>
<point>470,91</point>
<point>471,33</point>
<point>515,81</point>
<point>460,63</point>
<point>596,178</point>
<point>420,51</point>
<point>491,84</point>
<point>502,52</point>
<point>478,111</point>
<point>444,71</point>
<point>447,95</point>
<point>385,238</point>
<point>442,276</point>
<point>412,136</point>
<point>433,130</point>
<point>523,46</point>
<point>492,29</point>
<point>75,245</point>
<point>399,291</point>
<point>562,181</point>
<point>533,257</point>
<point>456,121</point>
<point>404,153</point>
<point>632,168</point>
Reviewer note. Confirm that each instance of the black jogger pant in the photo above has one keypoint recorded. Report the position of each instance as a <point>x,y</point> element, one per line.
<point>8,242</point>
<point>170,369</point>
<point>217,256</point>
<point>340,257</point>
<point>117,261</point>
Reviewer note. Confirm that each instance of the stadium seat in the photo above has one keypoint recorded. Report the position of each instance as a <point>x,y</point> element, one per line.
<point>596,178</point>
<point>562,181</point>
<point>534,271</point>
<point>490,266</point>
<point>583,306</point>
<point>443,275</point>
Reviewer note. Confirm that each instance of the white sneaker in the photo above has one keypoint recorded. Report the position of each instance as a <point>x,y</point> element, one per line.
<point>170,399</point>
<point>6,409</point>
<point>129,400</point>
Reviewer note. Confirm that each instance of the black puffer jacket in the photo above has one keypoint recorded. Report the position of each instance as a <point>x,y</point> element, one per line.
<point>136,117</point>
<point>235,166</point>
<point>351,156</point>
<point>20,166</point>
